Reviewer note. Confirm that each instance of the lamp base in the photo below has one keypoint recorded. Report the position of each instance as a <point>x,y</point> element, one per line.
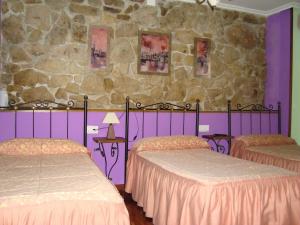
<point>110,132</point>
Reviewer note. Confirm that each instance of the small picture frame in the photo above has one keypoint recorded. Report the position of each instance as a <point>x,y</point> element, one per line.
<point>202,57</point>
<point>99,41</point>
<point>154,53</point>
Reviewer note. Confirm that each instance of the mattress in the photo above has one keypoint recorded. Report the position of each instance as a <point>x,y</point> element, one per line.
<point>56,189</point>
<point>284,153</point>
<point>198,186</point>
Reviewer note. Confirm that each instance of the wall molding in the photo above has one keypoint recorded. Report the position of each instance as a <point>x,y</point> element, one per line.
<point>249,10</point>
<point>259,12</point>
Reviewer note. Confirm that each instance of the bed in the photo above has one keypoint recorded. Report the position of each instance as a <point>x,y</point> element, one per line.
<point>272,149</point>
<point>178,180</point>
<point>54,181</point>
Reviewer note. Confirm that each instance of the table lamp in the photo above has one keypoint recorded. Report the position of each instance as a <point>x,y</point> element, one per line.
<point>111,118</point>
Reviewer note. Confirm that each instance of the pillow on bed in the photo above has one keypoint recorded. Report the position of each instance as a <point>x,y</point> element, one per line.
<point>35,146</point>
<point>257,140</point>
<point>170,143</point>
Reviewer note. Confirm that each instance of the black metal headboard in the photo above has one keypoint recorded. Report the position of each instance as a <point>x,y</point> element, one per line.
<point>48,106</point>
<point>251,109</point>
<point>159,107</point>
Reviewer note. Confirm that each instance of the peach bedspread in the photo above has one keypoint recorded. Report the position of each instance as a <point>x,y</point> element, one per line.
<point>284,156</point>
<point>200,187</point>
<point>51,189</point>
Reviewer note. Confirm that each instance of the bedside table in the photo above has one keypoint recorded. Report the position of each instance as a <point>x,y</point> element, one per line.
<point>216,139</point>
<point>114,151</point>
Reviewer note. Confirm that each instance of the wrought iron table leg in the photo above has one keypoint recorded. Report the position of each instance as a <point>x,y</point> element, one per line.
<point>102,152</point>
<point>219,147</point>
<point>113,150</point>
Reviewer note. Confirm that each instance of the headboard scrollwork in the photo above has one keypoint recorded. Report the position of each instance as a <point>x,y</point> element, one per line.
<point>251,109</point>
<point>47,105</point>
<point>166,107</point>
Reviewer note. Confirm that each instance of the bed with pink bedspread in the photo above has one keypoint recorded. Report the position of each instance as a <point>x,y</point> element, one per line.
<point>53,182</point>
<point>179,181</point>
<point>276,150</point>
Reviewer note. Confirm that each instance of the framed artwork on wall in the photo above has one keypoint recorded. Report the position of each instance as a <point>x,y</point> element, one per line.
<point>202,57</point>
<point>154,53</point>
<point>99,37</point>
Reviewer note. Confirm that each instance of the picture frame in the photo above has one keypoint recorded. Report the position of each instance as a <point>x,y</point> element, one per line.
<point>99,46</point>
<point>154,53</point>
<point>202,57</point>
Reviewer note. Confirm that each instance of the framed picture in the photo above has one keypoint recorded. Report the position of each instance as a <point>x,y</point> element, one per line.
<point>202,57</point>
<point>99,37</point>
<point>154,56</point>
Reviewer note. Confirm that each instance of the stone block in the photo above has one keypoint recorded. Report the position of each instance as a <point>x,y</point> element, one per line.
<point>57,35</point>
<point>30,77</point>
<point>127,30</point>
<point>16,6</point>
<point>79,33</point>
<point>185,36</point>
<point>146,16</point>
<point>79,19</point>
<point>123,17</point>
<point>60,80</point>
<point>95,3</point>
<point>176,92</point>
<point>92,84</point>
<point>19,55</point>
<point>35,35</point>
<point>52,65</point>
<point>83,9</point>
<point>57,4</point>
<point>108,84</point>
<point>61,94</point>
<point>12,68</point>
<point>72,88</point>
<point>114,3</point>
<point>111,10</point>
<point>241,35</point>
<point>12,29</point>
<point>32,1</point>
<point>38,16</point>
<point>117,99</point>
<point>64,21</point>
<point>37,93</point>
<point>121,51</point>
<point>4,7</point>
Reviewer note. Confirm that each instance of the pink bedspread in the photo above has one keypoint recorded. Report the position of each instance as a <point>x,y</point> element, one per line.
<point>52,189</point>
<point>200,187</point>
<point>284,156</point>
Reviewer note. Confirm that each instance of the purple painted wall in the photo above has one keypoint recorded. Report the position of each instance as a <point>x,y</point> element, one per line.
<point>278,56</point>
<point>217,122</point>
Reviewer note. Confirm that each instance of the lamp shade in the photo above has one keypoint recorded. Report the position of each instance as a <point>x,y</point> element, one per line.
<point>111,117</point>
<point>3,98</point>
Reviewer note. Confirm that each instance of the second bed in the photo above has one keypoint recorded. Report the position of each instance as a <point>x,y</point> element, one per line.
<point>178,180</point>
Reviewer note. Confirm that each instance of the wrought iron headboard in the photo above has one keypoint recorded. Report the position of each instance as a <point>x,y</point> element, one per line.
<point>159,107</point>
<point>251,109</point>
<point>48,106</point>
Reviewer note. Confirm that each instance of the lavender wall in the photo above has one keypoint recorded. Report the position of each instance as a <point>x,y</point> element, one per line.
<point>217,122</point>
<point>278,56</point>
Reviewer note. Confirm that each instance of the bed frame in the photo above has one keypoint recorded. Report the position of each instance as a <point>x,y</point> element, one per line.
<point>46,105</point>
<point>254,109</point>
<point>166,107</point>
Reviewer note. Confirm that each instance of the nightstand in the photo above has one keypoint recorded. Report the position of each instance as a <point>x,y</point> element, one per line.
<point>216,139</point>
<point>114,151</point>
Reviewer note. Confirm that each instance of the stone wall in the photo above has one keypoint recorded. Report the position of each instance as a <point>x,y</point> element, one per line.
<point>44,52</point>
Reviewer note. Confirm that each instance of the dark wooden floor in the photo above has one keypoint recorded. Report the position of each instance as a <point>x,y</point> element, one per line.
<point>136,213</point>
